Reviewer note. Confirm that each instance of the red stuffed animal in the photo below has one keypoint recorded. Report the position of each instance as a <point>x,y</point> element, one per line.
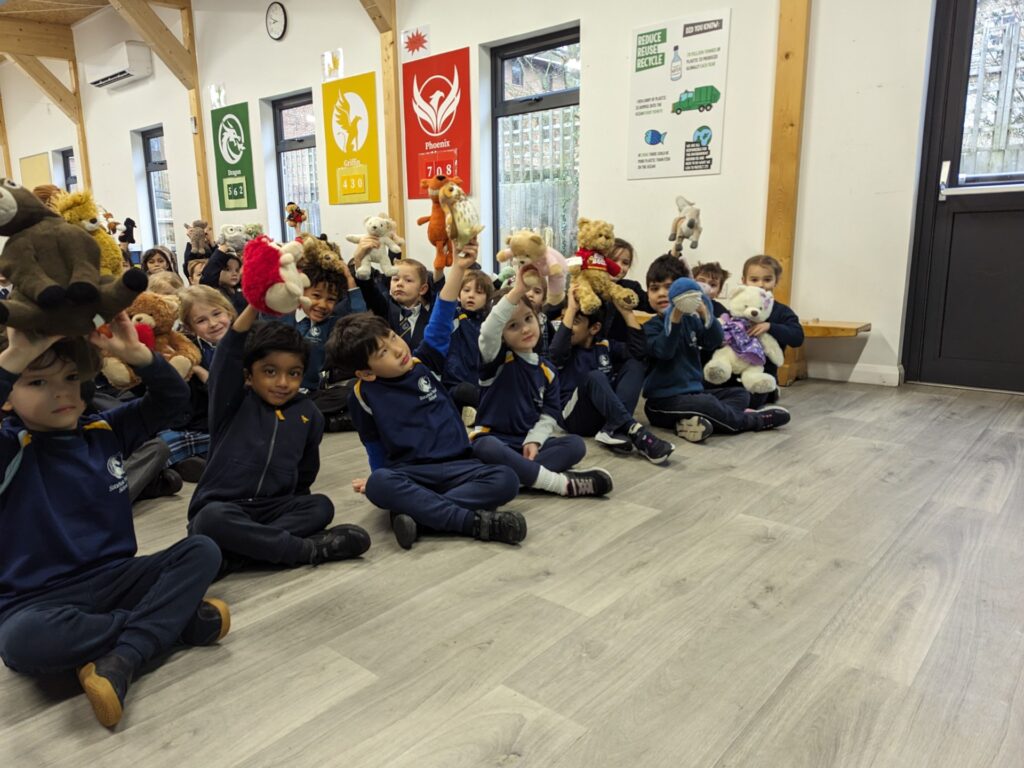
<point>437,229</point>
<point>271,280</point>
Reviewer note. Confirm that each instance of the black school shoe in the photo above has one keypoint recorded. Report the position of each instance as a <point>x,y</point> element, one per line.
<point>342,542</point>
<point>105,682</point>
<point>339,422</point>
<point>588,482</point>
<point>190,469</point>
<point>648,445</point>
<point>507,527</point>
<point>166,483</point>
<point>405,529</point>
<point>771,417</point>
<point>208,624</point>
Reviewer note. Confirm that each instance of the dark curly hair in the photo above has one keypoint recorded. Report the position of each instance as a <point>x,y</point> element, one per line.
<point>268,337</point>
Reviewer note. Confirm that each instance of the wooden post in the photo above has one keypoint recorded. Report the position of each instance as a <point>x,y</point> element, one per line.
<point>83,148</point>
<point>195,105</point>
<point>784,174</point>
<point>393,130</point>
<point>5,147</point>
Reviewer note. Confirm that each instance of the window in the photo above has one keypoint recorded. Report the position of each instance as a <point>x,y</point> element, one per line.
<point>160,215</point>
<point>294,124</point>
<point>536,96</point>
<point>70,163</point>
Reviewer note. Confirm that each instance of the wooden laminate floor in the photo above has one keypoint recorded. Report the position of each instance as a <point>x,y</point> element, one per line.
<point>846,591</point>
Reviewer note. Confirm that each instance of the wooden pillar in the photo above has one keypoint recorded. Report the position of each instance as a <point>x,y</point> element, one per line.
<point>784,174</point>
<point>393,129</point>
<point>83,148</point>
<point>5,147</point>
<point>195,106</point>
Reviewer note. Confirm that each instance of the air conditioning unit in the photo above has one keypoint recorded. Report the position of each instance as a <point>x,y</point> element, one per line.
<point>126,62</point>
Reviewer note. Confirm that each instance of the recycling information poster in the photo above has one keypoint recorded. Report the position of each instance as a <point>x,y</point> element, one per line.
<point>233,155</point>
<point>677,96</point>
<point>350,124</point>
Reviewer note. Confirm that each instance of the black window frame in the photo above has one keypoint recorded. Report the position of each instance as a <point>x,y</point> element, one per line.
<point>281,145</point>
<point>502,107</point>
<point>65,159</point>
<point>153,166</point>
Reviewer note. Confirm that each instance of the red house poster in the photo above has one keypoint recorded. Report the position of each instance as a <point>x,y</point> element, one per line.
<point>438,123</point>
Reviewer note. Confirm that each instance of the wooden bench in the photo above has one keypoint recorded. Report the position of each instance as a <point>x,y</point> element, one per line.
<point>795,366</point>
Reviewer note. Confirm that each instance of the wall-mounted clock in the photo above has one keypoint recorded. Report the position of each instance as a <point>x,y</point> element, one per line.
<point>277,21</point>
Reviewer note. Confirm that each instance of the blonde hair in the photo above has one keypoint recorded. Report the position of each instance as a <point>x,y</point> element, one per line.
<point>201,294</point>
<point>194,266</point>
<point>166,283</point>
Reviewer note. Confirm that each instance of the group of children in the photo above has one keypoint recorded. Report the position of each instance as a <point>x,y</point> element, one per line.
<point>435,354</point>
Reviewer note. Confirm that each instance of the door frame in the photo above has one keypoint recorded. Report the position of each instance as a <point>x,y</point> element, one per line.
<point>940,111</point>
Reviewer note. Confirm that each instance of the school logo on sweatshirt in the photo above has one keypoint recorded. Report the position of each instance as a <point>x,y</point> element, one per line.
<point>604,363</point>
<point>426,386</point>
<point>115,466</point>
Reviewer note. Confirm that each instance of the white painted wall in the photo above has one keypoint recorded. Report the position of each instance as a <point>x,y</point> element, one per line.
<point>859,166</point>
<point>34,124</point>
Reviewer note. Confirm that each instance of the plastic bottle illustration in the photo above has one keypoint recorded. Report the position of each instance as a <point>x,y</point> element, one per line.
<point>677,64</point>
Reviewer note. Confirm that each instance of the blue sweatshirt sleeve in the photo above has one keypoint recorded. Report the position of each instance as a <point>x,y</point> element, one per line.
<point>373,299</point>
<point>309,464</point>
<point>712,336</point>
<point>560,348</point>
<point>9,444</point>
<point>366,428</point>
<point>785,326</point>
<point>437,337</point>
<point>356,303</point>
<point>662,346</point>
<point>167,398</point>
<point>226,383</point>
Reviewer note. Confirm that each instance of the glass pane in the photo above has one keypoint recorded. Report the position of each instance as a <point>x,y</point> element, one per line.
<point>993,137</point>
<point>538,179</point>
<point>297,122</point>
<point>155,148</point>
<point>159,186</point>
<point>298,185</point>
<point>550,71</point>
<point>71,173</point>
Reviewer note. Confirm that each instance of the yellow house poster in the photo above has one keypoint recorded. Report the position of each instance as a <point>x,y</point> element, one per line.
<point>353,157</point>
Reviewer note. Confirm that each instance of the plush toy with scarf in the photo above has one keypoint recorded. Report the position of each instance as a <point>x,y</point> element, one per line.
<point>743,354</point>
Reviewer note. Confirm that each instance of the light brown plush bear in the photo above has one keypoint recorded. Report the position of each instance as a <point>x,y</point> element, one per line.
<point>159,313</point>
<point>527,248</point>
<point>592,271</point>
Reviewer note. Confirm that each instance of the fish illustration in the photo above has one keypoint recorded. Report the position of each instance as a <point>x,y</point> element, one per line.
<point>654,138</point>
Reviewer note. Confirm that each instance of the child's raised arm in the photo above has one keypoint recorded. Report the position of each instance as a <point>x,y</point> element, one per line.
<point>494,324</point>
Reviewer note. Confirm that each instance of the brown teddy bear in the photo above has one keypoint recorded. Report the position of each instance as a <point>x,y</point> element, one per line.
<point>527,248</point>
<point>592,271</point>
<point>54,268</point>
<point>159,313</point>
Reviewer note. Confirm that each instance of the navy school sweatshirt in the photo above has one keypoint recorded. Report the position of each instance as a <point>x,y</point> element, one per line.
<point>65,513</point>
<point>575,363</point>
<point>674,362</point>
<point>463,363</point>
<point>411,419</point>
<point>256,450</point>
<point>381,304</point>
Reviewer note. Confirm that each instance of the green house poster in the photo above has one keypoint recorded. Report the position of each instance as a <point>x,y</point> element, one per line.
<point>233,149</point>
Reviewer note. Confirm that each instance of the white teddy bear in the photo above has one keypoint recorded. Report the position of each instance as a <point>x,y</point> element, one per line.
<point>383,228</point>
<point>741,353</point>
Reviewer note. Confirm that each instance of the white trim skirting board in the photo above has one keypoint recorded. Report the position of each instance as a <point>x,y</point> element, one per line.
<point>861,373</point>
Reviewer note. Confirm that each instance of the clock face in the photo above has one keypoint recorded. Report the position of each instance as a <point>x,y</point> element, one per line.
<point>277,21</point>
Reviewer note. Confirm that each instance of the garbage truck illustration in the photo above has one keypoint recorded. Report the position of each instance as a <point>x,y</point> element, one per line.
<point>701,99</point>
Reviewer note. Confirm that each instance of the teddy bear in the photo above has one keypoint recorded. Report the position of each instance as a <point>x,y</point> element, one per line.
<point>741,353</point>
<point>80,208</point>
<point>383,228</point>
<point>234,237</point>
<point>159,313</point>
<point>461,217</point>
<point>294,216</point>
<point>198,239</point>
<point>54,268</point>
<point>527,248</point>
<point>437,230</point>
<point>271,280</point>
<point>253,230</point>
<point>592,271</point>
<point>685,226</point>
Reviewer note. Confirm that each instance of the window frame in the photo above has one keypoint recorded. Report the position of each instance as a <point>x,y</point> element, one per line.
<point>65,160</point>
<point>281,145</point>
<point>502,107</point>
<point>153,166</point>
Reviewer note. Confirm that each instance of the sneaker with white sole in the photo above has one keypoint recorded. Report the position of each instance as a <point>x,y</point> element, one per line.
<point>648,445</point>
<point>588,482</point>
<point>694,429</point>
<point>771,417</point>
<point>617,442</point>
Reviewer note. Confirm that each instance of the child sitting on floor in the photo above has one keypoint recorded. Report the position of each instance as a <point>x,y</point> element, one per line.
<point>73,595</point>
<point>783,324</point>
<point>254,497</point>
<point>462,370</point>
<point>520,405</point>
<point>600,383</point>
<point>676,398</point>
<point>421,465</point>
<point>408,304</point>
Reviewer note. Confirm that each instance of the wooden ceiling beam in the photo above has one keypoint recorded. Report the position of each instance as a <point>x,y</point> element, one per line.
<point>35,38</point>
<point>62,97</point>
<point>151,28</point>
<point>381,13</point>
